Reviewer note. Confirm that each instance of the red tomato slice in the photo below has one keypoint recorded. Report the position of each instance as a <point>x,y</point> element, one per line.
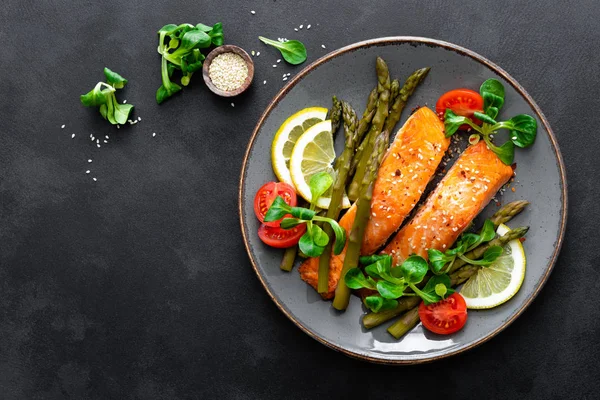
<point>462,102</point>
<point>280,238</point>
<point>446,316</point>
<point>267,194</point>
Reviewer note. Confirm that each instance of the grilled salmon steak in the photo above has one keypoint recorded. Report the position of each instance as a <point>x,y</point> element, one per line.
<point>465,190</point>
<point>407,167</point>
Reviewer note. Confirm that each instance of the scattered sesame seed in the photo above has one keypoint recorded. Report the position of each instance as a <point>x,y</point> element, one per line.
<point>301,26</point>
<point>94,179</point>
<point>257,53</point>
<point>62,127</point>
<point>232,105</point>
<point>153,134</point>
<point>106,141</point>
<point>93,138</point>
<point>124,101</point>
<point>308,27</point>
<point>264,82</point>
<point>253,52</point>
<point>289,73</point>
<point>87,172</point>
<point>514,138</point>
<point>139,118</point>
<point>118,126</point>
<point>323,46</point>
<point>296,29</point>
<point>98,145</point>
<point>274,65</point>
<point>106,136</point>
<point>252,12</point>
<point>285,79</point>
<point>97,140</point>
<point>90,160</point>
<point>72,136</point>
<point>279,60</point>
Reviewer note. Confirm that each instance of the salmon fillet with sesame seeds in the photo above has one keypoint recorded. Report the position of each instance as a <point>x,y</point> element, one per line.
<point>407,167</point>
<point>465,190</point>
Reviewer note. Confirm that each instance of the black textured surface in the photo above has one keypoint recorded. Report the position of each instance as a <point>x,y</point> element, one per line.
<point>117,288</point>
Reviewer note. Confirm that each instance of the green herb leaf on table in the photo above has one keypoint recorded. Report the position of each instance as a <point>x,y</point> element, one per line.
<point>179,47</point>
<point>293,51</point>
<point>103,97</point>
<point>95,97</point>
<point>114,79</point>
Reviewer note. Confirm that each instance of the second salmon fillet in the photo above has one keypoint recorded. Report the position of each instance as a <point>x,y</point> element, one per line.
<point>408,166</point>
<point>465,190</point>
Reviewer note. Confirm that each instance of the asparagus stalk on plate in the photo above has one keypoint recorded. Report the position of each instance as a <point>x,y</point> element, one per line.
<point>339,189</point>
<point>335,115</point>
<point>363,210</point>
<point>383,88</point>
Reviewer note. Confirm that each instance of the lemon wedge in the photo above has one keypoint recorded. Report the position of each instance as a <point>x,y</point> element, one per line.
<point>314,153</point>
<point>500,281</point>
<point>286,137</point>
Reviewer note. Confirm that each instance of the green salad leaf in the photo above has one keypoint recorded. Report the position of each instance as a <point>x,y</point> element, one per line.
<point>293,51</point>
<point>103,97</point>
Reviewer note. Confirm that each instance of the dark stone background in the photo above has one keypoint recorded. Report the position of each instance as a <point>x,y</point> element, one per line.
<point>138,285</point>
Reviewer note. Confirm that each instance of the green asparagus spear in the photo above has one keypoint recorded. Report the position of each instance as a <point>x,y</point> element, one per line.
<point>367,117</point>
<point>407,322</point>
<point>289,256</point>
<point>363,210</point>
<point>508,211</point>
<point>394,91</point>
<point>383,88</point>
<point>335,115</point>
<point>503,215</point>
<point>338,191</point>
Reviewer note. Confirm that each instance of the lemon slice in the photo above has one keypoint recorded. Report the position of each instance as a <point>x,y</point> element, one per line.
<point>314,153</point>
<point>499,282</point>
<point>286,137</point>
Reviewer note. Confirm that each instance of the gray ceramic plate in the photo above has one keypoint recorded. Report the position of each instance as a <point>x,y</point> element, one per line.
<point>349,73</point>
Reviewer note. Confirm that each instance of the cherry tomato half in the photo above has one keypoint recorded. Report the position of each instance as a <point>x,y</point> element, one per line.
<point>275,236</point>
<point>462,102</point>
<point>445,316</point>
<point>267,194</point>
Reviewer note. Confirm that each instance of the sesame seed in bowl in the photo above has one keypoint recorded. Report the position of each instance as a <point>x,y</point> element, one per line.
<point>228,70</point>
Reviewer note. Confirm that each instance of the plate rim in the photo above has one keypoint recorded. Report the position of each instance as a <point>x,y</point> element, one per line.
<point>419,41</point>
